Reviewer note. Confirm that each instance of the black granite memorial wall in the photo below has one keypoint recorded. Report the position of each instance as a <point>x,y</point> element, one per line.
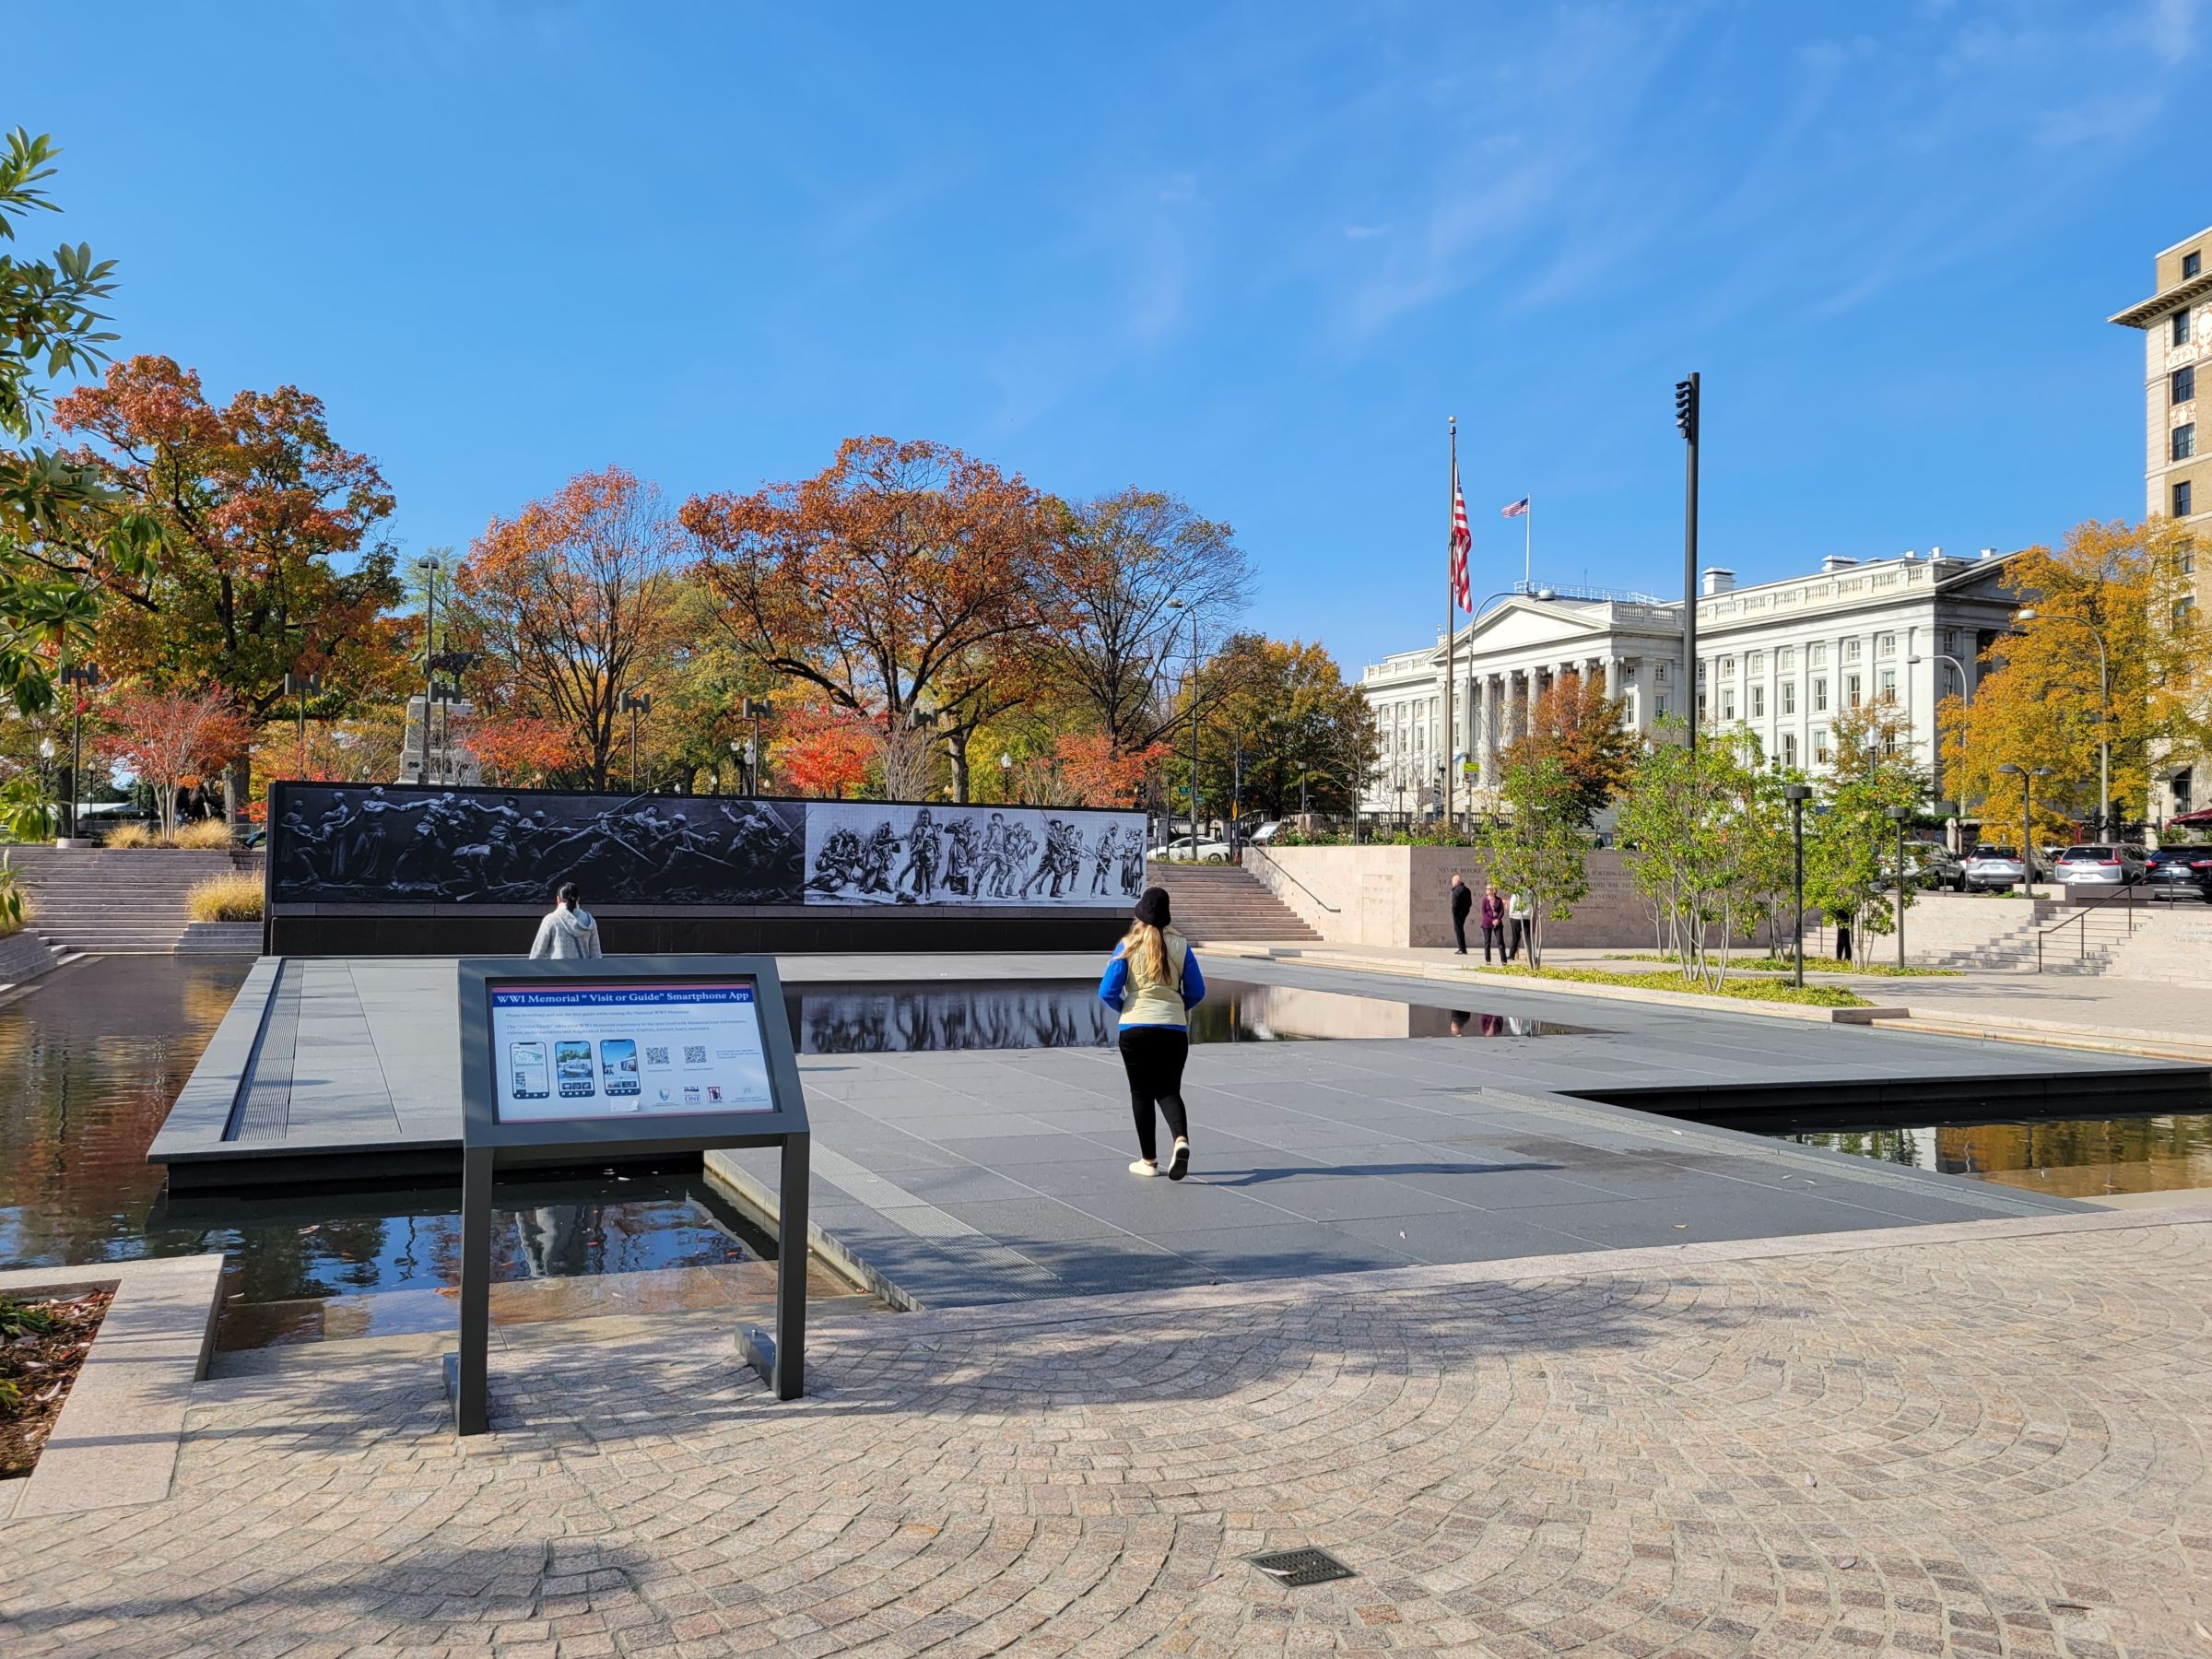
<point>395,870</point>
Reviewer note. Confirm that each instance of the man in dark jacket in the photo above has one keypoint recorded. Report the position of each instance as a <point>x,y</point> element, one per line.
<point>1463,900</point>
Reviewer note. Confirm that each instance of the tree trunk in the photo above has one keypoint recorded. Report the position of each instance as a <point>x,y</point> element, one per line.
<point>238,788</point>
<point>956,746</point>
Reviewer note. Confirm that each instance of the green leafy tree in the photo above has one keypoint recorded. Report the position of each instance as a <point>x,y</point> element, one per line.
<point>1538,847</point>
<point>64,532</point>
<point>1851,843</point>
<point>1708,843</point>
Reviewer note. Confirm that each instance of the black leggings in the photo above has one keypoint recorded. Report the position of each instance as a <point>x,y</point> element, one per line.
<point>1153,1056</point>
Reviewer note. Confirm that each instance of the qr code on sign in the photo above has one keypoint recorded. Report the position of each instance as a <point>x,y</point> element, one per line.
<point>657,1057</point>
<point>695,1054</point>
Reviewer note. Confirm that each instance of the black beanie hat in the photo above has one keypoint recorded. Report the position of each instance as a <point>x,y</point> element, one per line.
<point>1152,909</point>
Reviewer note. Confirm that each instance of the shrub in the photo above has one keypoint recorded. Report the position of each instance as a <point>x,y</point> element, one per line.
<point>204,834</point>
<point>15,900</point>
<point>132,835</point>
<point>233,897</point>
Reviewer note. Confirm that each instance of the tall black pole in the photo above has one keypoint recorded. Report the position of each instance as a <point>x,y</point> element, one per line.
<point>1685,417</point>
<point>1796,794</point>
<point>1901,892</point>
<point>76,732</point>
<point>430,682</point>
<point>1450,630</point>
<point>1193,737</point>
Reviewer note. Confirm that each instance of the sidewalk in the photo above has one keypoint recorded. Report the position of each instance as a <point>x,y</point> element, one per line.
<point>2130,1016</point>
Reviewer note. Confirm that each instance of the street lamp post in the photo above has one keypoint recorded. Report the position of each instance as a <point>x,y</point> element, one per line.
<point>427,568</point>
<point>1797,795</point>
<point>1900,817</point>
<point>2104,705</point>
<point>633,704</point>
<point>1686,402</point>
<point>1966,698</point>
<point>757,709</point>
<point>303,685</point>
<point>83,677</point>
<point>1182,605</point>
<point>2027,776</point>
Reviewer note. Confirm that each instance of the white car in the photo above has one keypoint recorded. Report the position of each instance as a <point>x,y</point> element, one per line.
<point>1192,849</point>
<point>1994,868</point>
<point>2108,865</point>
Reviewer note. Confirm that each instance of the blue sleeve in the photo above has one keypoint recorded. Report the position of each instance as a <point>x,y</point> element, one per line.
<point>1116,985</point>
<point>1194,982</point>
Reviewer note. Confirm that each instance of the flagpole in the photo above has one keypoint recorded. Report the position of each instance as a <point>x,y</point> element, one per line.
<point>1528,541</point>
<point>1450,617</point>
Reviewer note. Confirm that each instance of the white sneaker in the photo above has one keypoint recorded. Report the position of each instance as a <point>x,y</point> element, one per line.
<point>1143,1167</point>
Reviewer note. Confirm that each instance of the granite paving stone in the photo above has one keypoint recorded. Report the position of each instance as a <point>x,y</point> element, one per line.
<point>1986,1438</point>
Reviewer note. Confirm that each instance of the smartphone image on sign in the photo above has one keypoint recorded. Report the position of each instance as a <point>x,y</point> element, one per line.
<point>618,1065</point>
<point>527,1077</point>
<point>572,1065</point>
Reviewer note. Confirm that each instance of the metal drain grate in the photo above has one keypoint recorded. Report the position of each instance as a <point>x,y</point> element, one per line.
<point>1296,1566</point>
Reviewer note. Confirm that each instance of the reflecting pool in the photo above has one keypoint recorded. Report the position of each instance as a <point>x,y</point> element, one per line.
<point>2073,1158</point>
<point>864,1018</point>
<point>90,1062</point>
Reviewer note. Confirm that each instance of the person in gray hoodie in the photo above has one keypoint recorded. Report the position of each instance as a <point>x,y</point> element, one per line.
<point>569,931</point>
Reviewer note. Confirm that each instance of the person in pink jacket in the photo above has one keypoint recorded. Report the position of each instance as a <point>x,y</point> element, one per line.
<point>1493,922</point>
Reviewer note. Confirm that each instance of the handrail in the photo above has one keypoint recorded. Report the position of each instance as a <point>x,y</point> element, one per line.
<point>2126,891</point>
<point>1301,886</point>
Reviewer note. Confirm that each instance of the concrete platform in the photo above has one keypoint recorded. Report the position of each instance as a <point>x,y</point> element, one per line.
<point>963,1178</point>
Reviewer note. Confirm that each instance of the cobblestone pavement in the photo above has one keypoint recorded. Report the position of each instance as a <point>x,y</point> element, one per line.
<point>1983,1438</point>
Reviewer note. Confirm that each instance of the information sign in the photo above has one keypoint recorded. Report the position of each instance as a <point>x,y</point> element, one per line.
<point>569,1052</point>
<point>626,1056</point>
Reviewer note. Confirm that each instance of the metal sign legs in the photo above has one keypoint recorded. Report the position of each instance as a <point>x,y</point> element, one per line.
<point>781,1358</point>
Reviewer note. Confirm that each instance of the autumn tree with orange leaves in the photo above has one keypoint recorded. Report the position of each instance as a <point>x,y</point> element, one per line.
<point>163,738</point>
<point>259,508</point>
<point>1577,724</point>
<point>573,601</point>
<point>2046,699</point>
<point>891,580</point>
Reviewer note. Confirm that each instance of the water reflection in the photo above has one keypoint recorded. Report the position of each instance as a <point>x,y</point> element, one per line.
<point>863,1018</point>
<point>2072,1158</point>
<point>90,1063</point>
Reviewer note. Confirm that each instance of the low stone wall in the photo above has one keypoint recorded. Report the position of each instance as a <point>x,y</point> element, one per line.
<point>220,938</point>
<point>1401,896</point>
<point>23,956</point>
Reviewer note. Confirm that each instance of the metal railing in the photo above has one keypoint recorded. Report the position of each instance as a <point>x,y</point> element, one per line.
<point>2124,895</point>
<point>1301,886</point>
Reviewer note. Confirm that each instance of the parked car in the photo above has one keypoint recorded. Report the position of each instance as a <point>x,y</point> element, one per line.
<point>2180,872</point>
<point>1192,848</point>
<point>1926,866</point>
<point>2106,863</point>
<point>1991,867</point>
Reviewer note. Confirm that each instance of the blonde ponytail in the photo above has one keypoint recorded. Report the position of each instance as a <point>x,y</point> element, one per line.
<point>1146,948</point>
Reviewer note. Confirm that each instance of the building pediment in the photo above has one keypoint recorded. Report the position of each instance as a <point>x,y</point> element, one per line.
<point>1533,625</point>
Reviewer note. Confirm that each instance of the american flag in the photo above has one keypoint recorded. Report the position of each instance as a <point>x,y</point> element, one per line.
<point>1463,541</point>
<point>1516,510</point>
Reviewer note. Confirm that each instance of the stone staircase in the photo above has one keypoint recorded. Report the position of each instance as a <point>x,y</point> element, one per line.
<point>1225,902</point>
<point>2169,941</point>
<point>87,902</point>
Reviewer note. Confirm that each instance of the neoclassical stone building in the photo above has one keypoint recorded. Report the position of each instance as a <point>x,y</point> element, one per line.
<point>1783,657</point>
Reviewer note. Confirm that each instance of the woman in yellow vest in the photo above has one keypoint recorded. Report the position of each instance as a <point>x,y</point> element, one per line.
<point>1155,982</point>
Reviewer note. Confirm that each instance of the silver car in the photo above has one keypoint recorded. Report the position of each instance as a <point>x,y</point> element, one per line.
<point>2102,865</point>
<point>1991,868</point>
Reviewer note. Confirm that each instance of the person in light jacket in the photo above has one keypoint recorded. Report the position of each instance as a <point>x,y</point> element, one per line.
<point>1520,918</point>
<point>1153,981</point>
<point>569,931</point>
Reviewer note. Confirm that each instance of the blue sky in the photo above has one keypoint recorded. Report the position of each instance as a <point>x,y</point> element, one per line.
<point>1253,254</point>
